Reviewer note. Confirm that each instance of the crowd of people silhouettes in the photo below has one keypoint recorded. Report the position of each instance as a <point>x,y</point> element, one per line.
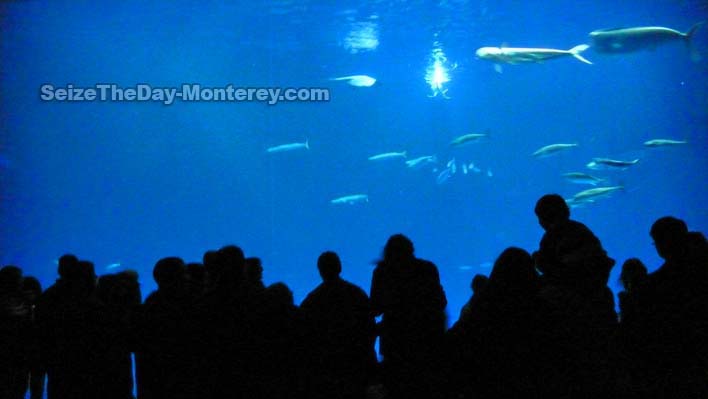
<point>541,325</point>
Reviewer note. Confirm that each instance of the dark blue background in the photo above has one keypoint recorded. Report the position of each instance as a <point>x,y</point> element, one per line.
<point>133,182</point>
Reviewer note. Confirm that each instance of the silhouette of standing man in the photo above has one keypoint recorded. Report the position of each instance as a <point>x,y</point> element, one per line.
<point>406,291</point>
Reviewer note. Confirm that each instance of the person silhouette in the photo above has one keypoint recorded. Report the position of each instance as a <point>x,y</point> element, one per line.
<point>406,292</point>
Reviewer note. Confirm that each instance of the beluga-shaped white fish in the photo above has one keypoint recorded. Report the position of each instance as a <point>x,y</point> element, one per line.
<point>357,80</point>
<point>518,55</point>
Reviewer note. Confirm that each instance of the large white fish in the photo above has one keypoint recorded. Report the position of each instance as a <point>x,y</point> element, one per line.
<point>552,149</point>
<point>606,163</point>
<point>627,40</point>
<point>387,156</point>
<point>663,142</point>
<point>351,199</point>
<point>517,55</point>
<point>357,80</point>
<point>289,147</point>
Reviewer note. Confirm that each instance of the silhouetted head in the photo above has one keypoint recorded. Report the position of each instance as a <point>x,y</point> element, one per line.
<point>31,287</point>
<point>633,273</point>
<point>10,279</point>
<point>196,273</point>
<point>233,261</point>
<point>670,237</point>
<point>551,210</point>
<point>87,270</point>
<point>169,272</point>
<point>68,266</point>
<point>329,266</point>
<point>105,286</point>
<point>279,294</point>
<point>697,244</point>
<point>479,281</point>
<point>253,269</point>
<point>514,269</point>
<point>120,289</point>
<point>398,248</point>
<point>80,278</point>
<point>212,265</point>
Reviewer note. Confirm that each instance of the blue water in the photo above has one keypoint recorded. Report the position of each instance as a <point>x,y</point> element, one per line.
<point>132,182</point>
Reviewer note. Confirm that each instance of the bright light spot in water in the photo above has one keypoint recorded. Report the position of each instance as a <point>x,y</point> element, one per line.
<point>437,73</point>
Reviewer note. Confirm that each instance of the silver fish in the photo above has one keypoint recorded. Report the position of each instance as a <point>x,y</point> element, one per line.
<point>663,142</point>
<point>387,156</point>
<point>594,193</point>
<point>606,163</point>
<point>351,199</point>
<point>467,139</point>
<point>419,162</point>
<point>552,149</point>
<point>289,147</point>
<point>582,178</point>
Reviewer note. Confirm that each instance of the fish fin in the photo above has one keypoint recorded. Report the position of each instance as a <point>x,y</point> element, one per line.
<point>695,55</point>
<point>498,68</point>
<point>575,52</point>
<point>405,154</point>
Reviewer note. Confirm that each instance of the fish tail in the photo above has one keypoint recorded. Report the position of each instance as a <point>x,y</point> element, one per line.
<point>695,55</point>
<point>575,52</point>
<point>307,144</point>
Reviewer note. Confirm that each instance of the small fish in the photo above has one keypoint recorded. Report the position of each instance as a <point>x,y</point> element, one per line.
<point>113,266</point>
<point>486,265</point>
<point>452,165</point>
<point>289,147</point>
<point>606,163</point>
<point>516,55</point>
<point>582,178</point>
<point>664,142</point>
<point>594,193</point>
<point>387,156</point>
<point>419,162</point>
<point>552,149</point>
<point>467,139</point>
<point>489,173</point>
<point>443,176</point>
<point>351,199</point>
<point>358,80</point>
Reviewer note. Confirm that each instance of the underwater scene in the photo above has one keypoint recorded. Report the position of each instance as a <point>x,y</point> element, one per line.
<point>131,131</point>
